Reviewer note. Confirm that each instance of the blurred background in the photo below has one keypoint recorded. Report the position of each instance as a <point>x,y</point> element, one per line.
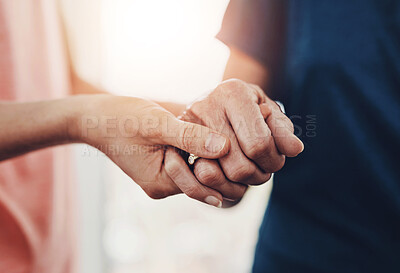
<point>164,50</point>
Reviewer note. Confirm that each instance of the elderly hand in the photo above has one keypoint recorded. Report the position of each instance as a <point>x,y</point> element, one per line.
<point>260,135</point>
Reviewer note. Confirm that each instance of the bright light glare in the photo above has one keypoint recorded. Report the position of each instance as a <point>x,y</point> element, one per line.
<point>171,23</point>
<point>159,48</point>
<point>153,23</point>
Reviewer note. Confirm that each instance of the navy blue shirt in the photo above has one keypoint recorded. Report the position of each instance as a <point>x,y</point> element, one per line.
<point>336,67</point>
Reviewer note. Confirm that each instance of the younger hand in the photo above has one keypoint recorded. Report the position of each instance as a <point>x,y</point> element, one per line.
<point>134,133</point>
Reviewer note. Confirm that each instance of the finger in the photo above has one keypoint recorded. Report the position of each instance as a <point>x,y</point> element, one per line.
<point>162,188</point>
<point>252,133</point>
<point>235,165</point>
<point>179,172</point>
<point>282,130</point>
<point>196,139</point>
<point>262,98</point>
<point>238,168</point>
<point>281,126</point>
<point>209,173</point>
<point>244,171</point>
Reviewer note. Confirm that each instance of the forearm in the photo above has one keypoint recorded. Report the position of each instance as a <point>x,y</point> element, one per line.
<point>242,66</point>
<point>26,127</point>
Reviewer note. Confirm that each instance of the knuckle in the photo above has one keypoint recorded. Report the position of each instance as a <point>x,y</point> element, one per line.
<point>239,193</point>
<point>283,119</point>
<point>274,106</point>
<point>261,149</point>
<point>192,191</point>
<point>233,86</point>
<point>234,83</point>
<point>263,180</point>
<point>186,136</point>
<point>269,146</point>
<point>289,124</point>
<point>242,192</point>
<point>277,164</point>
<point>209,177</point>
<point>260,92</point>
<point>256,148</point>
<point>172,168</point>
<point>195,110</point>
<point>241,172</point>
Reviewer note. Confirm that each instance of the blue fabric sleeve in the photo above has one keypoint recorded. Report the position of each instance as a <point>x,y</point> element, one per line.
<point>256,27</point>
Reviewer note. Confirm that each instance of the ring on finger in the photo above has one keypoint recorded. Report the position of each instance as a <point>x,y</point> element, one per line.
<point>192,159</point>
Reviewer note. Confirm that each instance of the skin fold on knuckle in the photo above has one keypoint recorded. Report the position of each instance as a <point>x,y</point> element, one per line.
<point>229,92</point>
<point>194,111</point>
<point>265,152</point>
<point>281,121</point>
<point>277,164</point>
<point>256,148</point>
<point>262,181</point>
<point>262,98</point>
<point>187,136</point>
<point>173,168</point>
<point>233,85</point>
<point>241,193</point>
<point>240,172</point>
<point>289,124</point>
<point>236,192</point>
<point>209,177</point>
<point>193,191</point>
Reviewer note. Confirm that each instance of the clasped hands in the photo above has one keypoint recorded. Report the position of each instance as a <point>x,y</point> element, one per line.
<point>240,135</point>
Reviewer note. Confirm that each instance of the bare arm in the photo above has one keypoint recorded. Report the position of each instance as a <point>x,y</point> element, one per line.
<point>243,67</point>
<point>30,126</point>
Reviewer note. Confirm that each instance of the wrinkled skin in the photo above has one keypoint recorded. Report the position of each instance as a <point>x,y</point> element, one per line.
<point>260,136</point>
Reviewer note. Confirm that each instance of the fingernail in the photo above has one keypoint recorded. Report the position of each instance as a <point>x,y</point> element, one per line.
<point>215,143</point>
<point>213,201</point>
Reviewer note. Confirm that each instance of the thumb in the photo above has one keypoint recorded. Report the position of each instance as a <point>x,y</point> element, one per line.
<point>196,139</point>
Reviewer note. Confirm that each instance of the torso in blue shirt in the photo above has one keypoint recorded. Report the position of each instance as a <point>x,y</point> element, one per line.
<point>336,207</point>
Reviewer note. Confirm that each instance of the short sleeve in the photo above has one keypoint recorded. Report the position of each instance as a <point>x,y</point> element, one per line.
<point>256,27</point>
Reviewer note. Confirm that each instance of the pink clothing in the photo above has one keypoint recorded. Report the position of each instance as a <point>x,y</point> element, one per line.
<point>36,227</point>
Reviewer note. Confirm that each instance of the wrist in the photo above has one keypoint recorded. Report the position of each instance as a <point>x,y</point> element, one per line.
<point>81,108</point>
<point>73,118</point>
<point>86,117</point>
